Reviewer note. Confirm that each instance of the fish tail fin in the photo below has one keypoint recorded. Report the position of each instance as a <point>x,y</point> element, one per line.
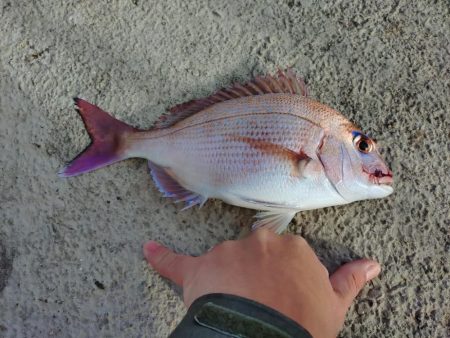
<point>108,137</point>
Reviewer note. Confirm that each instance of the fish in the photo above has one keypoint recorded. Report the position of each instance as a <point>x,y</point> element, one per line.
<point>264,145</point>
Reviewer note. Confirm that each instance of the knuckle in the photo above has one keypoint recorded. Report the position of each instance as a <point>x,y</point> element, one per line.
<point>224,246</point>
<point>324,270</point>
<point>301,240</point>
<point>295,240</point>
<point>264,234</point>
<point>354,283</point>
<point>290,237</point>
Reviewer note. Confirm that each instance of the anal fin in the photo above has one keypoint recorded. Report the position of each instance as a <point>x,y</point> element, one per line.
<point>171,188</point>
<point>276,221</point>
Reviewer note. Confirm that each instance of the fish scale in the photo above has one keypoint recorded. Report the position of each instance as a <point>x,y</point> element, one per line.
<point>222,150</point>
<point>263,145</point>
<point>207,155</point>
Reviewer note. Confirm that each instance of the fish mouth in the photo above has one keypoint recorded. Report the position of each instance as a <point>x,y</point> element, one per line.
<point>379,177</point>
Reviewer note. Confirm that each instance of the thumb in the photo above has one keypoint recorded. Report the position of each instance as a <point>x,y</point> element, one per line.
<point>167,263</point>
<point>350,278</point>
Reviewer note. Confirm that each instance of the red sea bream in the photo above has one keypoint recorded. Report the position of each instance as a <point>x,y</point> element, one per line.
<point>264,145</point>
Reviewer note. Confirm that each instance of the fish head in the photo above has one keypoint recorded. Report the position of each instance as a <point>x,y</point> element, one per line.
<point>354,165</point>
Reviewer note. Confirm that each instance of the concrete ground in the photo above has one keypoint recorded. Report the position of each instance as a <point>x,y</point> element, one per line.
<point>70,249</point>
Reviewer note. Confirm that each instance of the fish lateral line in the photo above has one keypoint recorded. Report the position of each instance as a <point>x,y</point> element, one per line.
<point>171,131</point>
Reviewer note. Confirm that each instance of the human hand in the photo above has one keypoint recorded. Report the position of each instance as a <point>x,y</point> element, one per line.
<point>281,272</point>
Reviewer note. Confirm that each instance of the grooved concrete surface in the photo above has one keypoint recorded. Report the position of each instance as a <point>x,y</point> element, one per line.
<point>70,249</point>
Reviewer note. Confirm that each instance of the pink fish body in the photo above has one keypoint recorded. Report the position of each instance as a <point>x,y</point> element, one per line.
<point>264,145</point>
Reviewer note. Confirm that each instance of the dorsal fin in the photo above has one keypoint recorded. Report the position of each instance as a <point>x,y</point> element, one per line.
<point>282,82</point>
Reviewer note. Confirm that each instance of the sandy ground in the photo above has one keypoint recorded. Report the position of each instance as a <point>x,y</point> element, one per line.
<point>70,249</point>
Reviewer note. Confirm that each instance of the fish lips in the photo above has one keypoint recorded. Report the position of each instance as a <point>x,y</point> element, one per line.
<point>384,179</point>
<point>387,188</point>
<point>381,183</point>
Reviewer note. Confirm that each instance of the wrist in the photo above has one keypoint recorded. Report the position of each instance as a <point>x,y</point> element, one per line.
<point>237,316</point>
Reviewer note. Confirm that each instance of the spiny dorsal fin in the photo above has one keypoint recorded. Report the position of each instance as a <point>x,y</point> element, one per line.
<point>282,82</point>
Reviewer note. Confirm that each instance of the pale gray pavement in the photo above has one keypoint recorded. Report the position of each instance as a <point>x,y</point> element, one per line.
<point>70,249</point>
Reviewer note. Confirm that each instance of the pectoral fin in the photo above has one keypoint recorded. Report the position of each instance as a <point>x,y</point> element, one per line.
<point>276,221</point>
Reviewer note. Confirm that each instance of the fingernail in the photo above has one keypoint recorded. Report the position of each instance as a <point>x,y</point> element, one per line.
<point>372,270</point>
<point>150,248</point>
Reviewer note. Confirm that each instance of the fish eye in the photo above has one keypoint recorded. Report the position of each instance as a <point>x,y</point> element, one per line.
<point>362,143</point>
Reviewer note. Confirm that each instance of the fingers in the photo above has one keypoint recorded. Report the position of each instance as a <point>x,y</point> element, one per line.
<point>167,263</point>
<point>350,278</point>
